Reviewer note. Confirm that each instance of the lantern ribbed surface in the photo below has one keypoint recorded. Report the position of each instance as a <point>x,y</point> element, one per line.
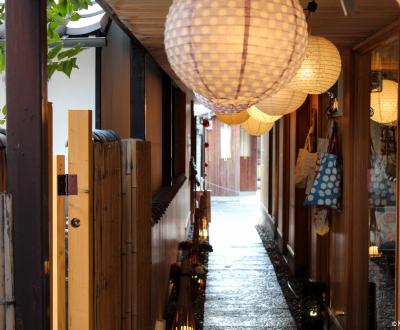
<point>234,52</point>
<point>320,68</point>
<point>384,103</point>
<point>258,115</point>
<point>220,108</point>
<point>233,119</point>
<point>255,127</point>
<point>285,101</point>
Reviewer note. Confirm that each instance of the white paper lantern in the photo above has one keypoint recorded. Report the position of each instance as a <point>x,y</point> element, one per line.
<point>285,101</point>
<point>258,115</point>
<point>234,118</point>
<point>384,104</point>
<point>222,109</point>
<point>320,69</point>
<point>235,52</point>
<point>255,127</point>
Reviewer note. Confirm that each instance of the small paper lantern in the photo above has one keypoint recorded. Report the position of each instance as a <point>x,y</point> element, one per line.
<point>384,103</point>
<point>320,68</point>
<point>258,115</point>
<point>235,52</point>
<point>206,144</point>
<point>285,101</point>
<point>206,123</point>
<point>234,118</point>
<point>255,127</point>
<point>220,108</point>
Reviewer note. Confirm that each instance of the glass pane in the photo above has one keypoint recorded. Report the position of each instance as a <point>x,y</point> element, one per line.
<point>382,183</point>
<point>226,135</point>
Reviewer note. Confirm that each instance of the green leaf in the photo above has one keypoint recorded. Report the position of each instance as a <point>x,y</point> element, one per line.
<point>54,51</point>
<point>72,52</point>
<point>75,17</point>
<point>4,110</point>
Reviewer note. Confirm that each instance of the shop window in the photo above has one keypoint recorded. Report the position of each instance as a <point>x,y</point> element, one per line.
<point>383,181</point>
<point>226,138</point>
<point>245,144</point>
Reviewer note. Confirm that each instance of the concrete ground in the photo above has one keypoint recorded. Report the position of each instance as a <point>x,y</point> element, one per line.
<point>242,290</point>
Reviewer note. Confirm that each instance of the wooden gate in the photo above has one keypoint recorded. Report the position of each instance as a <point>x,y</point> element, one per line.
<point>109,231</point>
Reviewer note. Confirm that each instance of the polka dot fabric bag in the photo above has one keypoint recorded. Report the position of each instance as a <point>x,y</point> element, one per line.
<point>326,189</point>
<point>382,191</point>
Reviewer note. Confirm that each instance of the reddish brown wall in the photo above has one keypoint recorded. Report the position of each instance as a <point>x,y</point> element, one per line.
<point>115,82</point>
<point>154,122</point>
<point>223,175</point>
<point>248,168</point>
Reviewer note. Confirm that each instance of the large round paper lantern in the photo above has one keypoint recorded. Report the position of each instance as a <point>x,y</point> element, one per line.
<point>235,52</point>
<point>220,108</point>
<point>258,115</point>
<point>255,127</point>
<point>234,118</point>
<point>320,68</point>
<point>384,103</point>
<point>285,101</point>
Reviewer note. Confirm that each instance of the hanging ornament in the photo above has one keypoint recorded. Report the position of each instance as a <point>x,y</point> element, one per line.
<point>233,119</point>
<point>320,68</point>
<point>206,123</point>
<point>384,103</point>
<point>206,144</point>
<point>285,101</point>
<point>235,52</point>
<point>258,115</point>
<point>205,164</point>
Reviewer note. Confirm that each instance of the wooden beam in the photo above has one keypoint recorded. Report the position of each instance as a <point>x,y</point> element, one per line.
<point>28,158</point>
<point>80,215</point>
<point>138,88</point>
<point>58,304</point>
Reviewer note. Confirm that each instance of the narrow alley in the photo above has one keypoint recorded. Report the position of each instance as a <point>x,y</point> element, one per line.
<point>242,289</point>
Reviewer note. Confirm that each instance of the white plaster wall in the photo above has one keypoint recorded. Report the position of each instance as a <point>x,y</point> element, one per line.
<point>78,92</point>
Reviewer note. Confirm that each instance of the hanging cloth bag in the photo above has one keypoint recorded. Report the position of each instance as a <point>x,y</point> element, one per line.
<point>305,164</point>
<point>326,189</point>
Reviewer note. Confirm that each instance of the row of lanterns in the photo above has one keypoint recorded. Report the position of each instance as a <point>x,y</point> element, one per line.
<point>237,54</point>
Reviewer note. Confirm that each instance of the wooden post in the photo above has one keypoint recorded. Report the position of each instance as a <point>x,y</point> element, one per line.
<point>141,202</point>
<point>107,235</point>
<point>27,153</point>
<point>7,317</point>
<point>80,227</point>
<point>58,297</point>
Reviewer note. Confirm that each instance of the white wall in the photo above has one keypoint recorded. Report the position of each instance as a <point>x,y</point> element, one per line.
<point>75,93</point>
<point>78,92</point>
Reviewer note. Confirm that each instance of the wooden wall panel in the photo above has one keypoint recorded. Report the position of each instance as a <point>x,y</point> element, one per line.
<point>80,208</point>
<point>223,175</point>
<point>115,82</point>
<point>107,236</point>
<point>58,283</point>
<point>248,167</point>
<point>166,235</point>
<point>264,140</point>
<point>154,122</point>
<point>298,217</point>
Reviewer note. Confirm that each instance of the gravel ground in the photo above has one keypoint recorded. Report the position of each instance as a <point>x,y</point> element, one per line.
<point>291,287</point>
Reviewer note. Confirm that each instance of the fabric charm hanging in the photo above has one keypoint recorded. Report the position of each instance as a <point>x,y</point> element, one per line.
<point>306,162</point>
<point>321,219</point>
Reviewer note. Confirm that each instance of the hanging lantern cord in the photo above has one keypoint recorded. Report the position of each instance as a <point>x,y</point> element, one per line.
<point>311,8</point>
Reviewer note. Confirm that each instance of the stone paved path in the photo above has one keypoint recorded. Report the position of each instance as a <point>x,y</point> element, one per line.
<point>242,289</point>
